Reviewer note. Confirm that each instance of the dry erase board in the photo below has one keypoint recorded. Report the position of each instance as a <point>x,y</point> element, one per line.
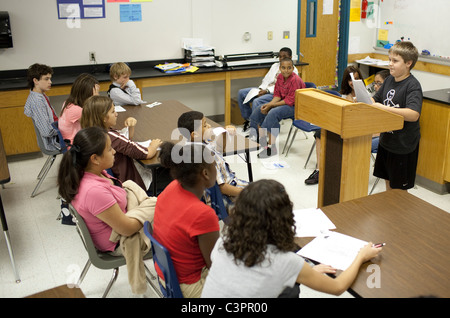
<point>426,23</point>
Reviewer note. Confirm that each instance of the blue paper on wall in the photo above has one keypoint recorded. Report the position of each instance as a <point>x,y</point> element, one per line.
<point>130,12</point>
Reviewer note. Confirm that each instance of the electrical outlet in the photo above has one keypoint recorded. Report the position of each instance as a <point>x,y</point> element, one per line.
<point>285,34</point>
<point>92,56</point>
<point>270,35</point>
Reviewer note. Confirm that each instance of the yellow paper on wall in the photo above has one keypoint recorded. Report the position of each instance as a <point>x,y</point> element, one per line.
<point>355,10</point>
<point>383,35</point>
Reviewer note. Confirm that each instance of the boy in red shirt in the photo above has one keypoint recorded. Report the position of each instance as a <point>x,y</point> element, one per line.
<point>267,117</point>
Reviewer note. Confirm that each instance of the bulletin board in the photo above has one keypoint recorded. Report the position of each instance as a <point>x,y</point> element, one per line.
<point>425,23</point>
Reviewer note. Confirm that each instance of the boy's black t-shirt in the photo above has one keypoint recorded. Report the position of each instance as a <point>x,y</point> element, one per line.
<point>406,94</point>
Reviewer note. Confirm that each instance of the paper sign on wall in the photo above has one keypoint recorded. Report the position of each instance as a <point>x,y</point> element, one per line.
<point>130,13</point>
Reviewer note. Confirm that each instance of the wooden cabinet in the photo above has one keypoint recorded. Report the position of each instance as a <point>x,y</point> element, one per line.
<point>17,129</point>
<point>433,167</point>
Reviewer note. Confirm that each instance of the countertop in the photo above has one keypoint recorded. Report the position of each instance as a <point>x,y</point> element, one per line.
<point>439,95</point>
<point>66,75</point>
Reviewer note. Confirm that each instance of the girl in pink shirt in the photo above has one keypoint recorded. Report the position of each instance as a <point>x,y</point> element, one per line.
<point>84,87</point>
<point>97,197</point>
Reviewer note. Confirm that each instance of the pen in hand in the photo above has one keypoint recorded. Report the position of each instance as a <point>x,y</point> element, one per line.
<point>376,245</point>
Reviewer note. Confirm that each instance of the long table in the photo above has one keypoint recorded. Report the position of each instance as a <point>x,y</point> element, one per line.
<point>414,262</point>
<point>13,92</point>
<point>161,122</point>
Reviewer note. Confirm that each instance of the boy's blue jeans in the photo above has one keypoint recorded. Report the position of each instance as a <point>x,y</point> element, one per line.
<point>271,121</point>
<point>246,110</point>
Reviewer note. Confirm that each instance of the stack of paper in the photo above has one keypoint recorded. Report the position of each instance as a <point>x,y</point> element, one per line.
<point>362,94</point>
<point>176,67</point>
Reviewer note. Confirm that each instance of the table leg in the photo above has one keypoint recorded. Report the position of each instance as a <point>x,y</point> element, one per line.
<point>8,241</point>
<point>249,166</point>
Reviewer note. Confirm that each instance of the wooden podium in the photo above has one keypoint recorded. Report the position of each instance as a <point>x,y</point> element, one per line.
<point>346,139</point>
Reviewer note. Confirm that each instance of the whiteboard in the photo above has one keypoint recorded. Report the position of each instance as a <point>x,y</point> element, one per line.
<point>426,23</point>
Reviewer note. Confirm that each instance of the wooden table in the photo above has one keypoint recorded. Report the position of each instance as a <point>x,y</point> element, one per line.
<point>62,291</point>
<point>162,121</point>
<point>5,178</point>
<point>415,261</point>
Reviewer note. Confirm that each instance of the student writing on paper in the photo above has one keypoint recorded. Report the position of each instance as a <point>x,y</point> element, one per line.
<point>264,93</point>
<point>401,94</point>
<point>100,111</point>
<point>255,258</point>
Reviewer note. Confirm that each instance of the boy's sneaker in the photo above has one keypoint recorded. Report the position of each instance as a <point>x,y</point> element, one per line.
<point>246,126</point>
<point>268,152</point>
<point>313,178</point>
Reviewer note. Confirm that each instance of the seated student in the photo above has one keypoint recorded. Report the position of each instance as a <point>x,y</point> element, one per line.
<point>100,111</point>
<point>85,86</point>
<point>194,127</point>
<point>254,257</point>
<point>123,91</point>
<point>38,105</point>
<point>266,88</point>
<point>347,91</point>
<point>97,197</point>
<point>186,226</point>
<point>267,117</point>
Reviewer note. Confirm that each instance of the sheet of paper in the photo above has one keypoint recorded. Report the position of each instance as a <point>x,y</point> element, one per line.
<point>124,132</point>
<point>362,95</point>
<point>311,222</point>
<point>252,93</point>
<point>334,249</point>
<point>119,109</point>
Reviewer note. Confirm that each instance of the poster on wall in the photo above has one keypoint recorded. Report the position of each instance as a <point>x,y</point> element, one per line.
<point>80,9</point>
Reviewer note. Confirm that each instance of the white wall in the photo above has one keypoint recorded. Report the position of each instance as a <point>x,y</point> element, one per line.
<point>39,36</point>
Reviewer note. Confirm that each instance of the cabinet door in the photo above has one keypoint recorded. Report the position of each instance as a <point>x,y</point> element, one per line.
<point>18,131</point>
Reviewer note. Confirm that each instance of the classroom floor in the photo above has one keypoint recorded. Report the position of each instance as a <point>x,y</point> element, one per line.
<point>49,254</point>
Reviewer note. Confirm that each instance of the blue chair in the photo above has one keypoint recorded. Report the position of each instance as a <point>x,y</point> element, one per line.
<point>161,257</point>
<point>332,92</point>
<point>302,125</point>
<point>375,142</point>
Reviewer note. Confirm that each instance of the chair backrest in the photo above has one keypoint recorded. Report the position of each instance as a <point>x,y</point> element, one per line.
<point>332,92</point>
<point>41,143</point>
<point>62,142</point>
<point>310,85</point>
<point>305,126</point>
<point>161,257</point>
<point>98,259</point>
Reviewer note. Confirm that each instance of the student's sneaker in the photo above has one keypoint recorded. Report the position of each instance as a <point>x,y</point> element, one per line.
<point>268,152</point>
<point>313,178</point>
<point>246,126</point>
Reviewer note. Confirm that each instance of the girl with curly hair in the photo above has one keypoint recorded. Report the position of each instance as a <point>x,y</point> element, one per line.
<point>256,258</point>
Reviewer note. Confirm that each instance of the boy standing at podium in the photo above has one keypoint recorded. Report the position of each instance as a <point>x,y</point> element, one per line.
<point>400,94</point>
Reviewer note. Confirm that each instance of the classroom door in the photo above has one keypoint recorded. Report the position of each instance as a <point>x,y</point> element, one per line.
<point>319,25</point>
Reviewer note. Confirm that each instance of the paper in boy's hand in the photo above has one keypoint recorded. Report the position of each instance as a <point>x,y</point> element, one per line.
<point>362,95</point>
